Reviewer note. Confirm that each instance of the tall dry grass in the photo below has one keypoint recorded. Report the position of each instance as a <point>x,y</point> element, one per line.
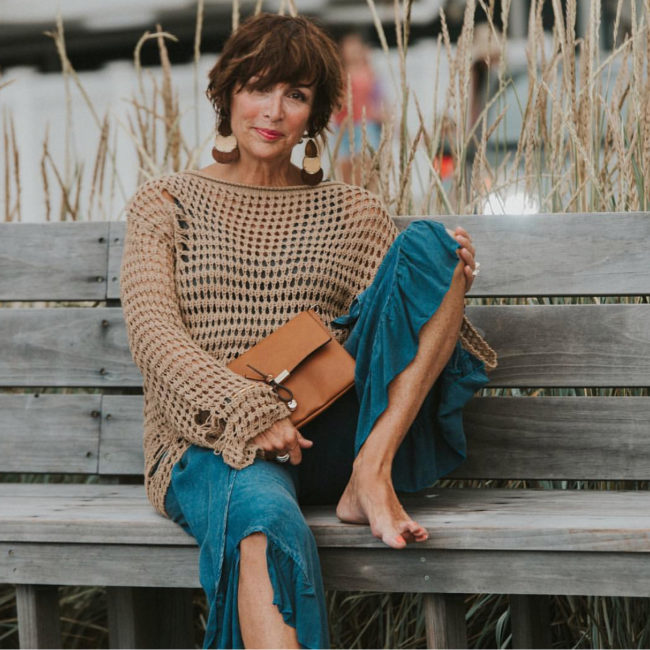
<point>584,145</point>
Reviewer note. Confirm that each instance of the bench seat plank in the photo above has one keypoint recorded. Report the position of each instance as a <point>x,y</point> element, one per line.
<point>471,519</point>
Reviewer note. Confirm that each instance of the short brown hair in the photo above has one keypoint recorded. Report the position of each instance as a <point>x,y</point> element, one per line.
<point>279,49</point>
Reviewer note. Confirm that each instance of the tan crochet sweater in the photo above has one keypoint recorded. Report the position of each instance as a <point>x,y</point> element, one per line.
<point>209,275</point>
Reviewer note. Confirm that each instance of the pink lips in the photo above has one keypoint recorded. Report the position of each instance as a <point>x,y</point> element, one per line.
<point>268,134</point>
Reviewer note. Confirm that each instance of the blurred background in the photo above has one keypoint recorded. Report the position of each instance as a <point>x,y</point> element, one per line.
<point>60,128</point>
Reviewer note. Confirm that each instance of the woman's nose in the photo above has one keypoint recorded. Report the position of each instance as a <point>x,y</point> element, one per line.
<point>273,109</point>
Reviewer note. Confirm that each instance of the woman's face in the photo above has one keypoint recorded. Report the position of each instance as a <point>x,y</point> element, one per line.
<point>269,123</point>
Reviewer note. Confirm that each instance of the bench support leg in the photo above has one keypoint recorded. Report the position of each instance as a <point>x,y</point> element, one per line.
<point>146,617</point>
<point>444,620</point>
<point>38,616</point>
<point>530,617</point>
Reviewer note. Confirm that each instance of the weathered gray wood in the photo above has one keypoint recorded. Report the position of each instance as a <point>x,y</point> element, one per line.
<point>558,254</point>
<point>588,254</point>
<point>64,260</point>
<point>65,347</point>
<point>378,569</point>
<point>568,345</point>
<point>470,519</point>
<point>557,438</point>
<point>48,261</point>
<point>38,616</point>
<point>447,571</point>
<point>49,433</point>
<point>144,565</point>
<point>115,250</point>
<point>509,438</point>
<point>121,435</point>
<point>143,617</point>
<point>578,345</point>
<point>444,620</point>
<point>530,618</point>
<point>534,438</point>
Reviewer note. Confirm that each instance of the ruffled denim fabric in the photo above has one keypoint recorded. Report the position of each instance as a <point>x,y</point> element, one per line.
<point>386,320</point>
<point>220,506</point>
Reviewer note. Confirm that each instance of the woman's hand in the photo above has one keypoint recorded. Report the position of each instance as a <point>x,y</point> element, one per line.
<point>466,254</point>
<point>283,438</point>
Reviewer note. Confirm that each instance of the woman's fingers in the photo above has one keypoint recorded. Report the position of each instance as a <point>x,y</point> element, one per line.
<point>283,438</point>
<point>295,452</point>
<point>466,243</point>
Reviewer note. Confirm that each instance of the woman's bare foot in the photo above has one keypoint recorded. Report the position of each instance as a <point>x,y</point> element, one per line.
<point>369,498</point>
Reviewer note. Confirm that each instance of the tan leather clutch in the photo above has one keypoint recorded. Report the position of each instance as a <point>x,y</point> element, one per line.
<point>306,366</point>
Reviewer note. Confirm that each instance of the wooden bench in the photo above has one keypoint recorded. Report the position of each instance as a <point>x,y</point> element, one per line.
<point>524,542</point>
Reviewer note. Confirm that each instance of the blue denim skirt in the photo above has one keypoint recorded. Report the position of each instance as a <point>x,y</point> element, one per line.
<point>219,506</point>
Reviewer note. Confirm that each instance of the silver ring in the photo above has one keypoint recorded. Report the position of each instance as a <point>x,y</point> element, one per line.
<point>283,459</point>
<point>476,270</point>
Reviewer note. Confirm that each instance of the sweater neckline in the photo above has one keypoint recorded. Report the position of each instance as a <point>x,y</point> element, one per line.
<point>257,188</point>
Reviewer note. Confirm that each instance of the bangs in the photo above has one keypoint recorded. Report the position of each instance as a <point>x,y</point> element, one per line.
<point>278,59</point>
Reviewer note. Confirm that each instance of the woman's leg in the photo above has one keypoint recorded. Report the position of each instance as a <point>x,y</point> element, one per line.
<point>369,496</point>
<point>261,623</point>
<point>258,560</point>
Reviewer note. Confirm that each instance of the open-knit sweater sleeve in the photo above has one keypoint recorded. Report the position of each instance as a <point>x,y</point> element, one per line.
<point>204,402</point>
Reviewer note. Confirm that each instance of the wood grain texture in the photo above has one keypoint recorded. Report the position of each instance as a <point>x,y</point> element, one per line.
<point>444,621</point>
<point>409,570</point>
<point>53,261</point>
<point>604,438</point>
<point>65,347</point>
<point>465,519</point>
<point>49,433</point>
<point>495,572</point>
<point>37,607</point>
<point>558,254</point>
<point>544,255</point>
<point>567,345</point>
<point>530,619</point>
<point>117,231</point>
<point>577,345</point>
<point>509,438</point>
<point>121,435</point>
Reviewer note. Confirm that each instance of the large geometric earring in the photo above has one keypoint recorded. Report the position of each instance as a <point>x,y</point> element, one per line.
<point>311,172</point>
<point>226,148</point>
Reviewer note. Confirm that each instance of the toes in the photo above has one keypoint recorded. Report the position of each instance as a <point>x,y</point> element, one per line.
<point>394,541</point>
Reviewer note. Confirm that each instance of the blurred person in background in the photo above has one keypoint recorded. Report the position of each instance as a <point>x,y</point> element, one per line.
<point>362,92</point>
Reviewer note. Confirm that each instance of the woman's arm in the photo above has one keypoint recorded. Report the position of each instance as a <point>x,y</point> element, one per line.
<point>207,404</point>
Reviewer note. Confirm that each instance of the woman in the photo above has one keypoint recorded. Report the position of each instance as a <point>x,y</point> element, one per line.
<point>217,259</point>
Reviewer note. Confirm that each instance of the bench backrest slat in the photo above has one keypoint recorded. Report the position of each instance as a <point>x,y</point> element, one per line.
<point>559,254</point>
<point>556,345</point>
<point>50,433</point>
<point>572,254</point>
<point>62,261</point>
<point>603,438</point>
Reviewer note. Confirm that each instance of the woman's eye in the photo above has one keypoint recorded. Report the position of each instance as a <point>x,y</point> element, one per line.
<point>296,94</point>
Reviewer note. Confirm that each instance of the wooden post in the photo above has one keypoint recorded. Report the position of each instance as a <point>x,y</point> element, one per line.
<point>530,617</point>
<point>444,620</point>
<point>146,617</point>
<point>38,616</point>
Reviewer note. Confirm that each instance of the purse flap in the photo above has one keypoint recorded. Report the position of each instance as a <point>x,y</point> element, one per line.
<point>285,348</point>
